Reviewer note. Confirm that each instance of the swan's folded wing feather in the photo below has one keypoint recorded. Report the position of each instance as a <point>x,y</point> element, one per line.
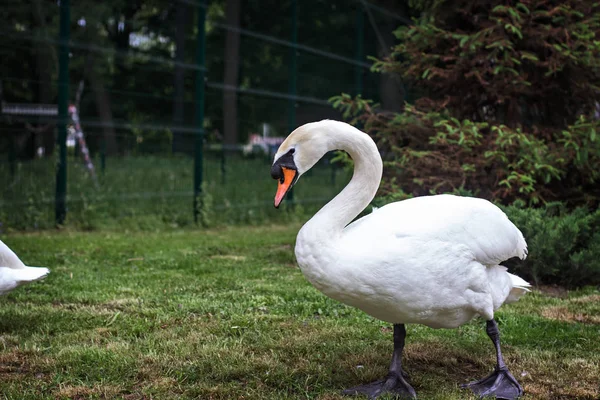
<point>475,223</point>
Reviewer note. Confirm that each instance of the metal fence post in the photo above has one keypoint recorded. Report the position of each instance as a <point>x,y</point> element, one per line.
<point>60,202</point>
<point>199,112</point>
<point>293,78</point>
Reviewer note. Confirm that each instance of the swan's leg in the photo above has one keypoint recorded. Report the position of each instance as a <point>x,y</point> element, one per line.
<point>394,383</point>
<point>500,383</point>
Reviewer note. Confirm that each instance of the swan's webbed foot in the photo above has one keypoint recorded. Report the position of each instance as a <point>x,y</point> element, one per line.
<point>394,384</point>
<point>500,384</point>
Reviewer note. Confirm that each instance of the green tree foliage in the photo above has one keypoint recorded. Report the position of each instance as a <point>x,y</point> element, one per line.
<point>508,106</point>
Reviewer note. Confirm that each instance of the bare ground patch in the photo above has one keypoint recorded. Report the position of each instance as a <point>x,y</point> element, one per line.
<point>565,314</point>
<point>592,298</point>
<point>85,392</point>
<point>232,257</point>
<point>544,377</point>
<point>12,365</point>
<point>553,291</point>
<point>555,381</point>
<point>106,308</point>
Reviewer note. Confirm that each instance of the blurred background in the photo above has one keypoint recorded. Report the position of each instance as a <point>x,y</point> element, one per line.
<point>153,113</point>
<point>147,80</point>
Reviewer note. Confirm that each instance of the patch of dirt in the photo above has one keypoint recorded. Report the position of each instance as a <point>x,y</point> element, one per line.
<point>120,304</point>
<point>553,291</point>
<point>562,313</point>
<point>135,396</point>
<point>86,392</point>
<point>164,382</point>
<point>228,257</point>
<point>99,309</point>
<point>13,364</point>
<point>104,332</point>
<point>592,298</point>
<point>542,378</point>
<point>452,364</point>
<point>545,390</point>
<point>74,392</point>
<point>281,247</point>
<point>8,340</point>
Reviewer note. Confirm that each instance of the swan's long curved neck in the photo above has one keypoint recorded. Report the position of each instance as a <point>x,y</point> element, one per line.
<point>368,168</point>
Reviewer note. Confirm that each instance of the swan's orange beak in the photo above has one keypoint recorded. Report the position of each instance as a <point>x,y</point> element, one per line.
<point>284,184</point>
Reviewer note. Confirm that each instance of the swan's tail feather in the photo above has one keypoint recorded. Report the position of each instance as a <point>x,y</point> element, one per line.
<point>519,288</point>
<point>521,248</point>
<point>30,274</point>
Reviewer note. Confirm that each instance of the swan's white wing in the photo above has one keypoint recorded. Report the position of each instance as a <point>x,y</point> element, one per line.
<point>8,258</point>
<point>475,223</point>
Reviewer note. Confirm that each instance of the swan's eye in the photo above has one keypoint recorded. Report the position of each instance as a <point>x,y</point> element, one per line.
<point>292,151</point>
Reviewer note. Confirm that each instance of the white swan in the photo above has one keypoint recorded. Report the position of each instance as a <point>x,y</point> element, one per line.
<point>14,273</point>
<point>430,260</point>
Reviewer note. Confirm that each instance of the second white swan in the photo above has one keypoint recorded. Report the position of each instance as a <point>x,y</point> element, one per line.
<point>14,273</point>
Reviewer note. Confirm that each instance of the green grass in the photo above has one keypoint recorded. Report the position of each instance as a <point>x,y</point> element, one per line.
<point>154,191</point>
<point>225,314</point>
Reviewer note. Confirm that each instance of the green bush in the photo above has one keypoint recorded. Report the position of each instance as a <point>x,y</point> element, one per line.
<point>564,246</point>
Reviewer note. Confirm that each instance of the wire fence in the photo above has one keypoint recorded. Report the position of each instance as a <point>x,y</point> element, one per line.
<point>181,105</point>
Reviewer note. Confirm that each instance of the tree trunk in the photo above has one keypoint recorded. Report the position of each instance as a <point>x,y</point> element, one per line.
<point>390,85</point>
<point>232,57</point>
<point>43,57</point>
<point>103,104</point>
<point>179,137</point>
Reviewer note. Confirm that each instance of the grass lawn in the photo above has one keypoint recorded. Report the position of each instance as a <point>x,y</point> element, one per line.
<point>225,314</point>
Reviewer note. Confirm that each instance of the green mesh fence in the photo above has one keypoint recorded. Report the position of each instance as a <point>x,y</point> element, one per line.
<point>270,66</point>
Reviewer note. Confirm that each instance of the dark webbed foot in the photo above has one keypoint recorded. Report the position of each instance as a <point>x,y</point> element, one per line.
<point>499,384</point>
<point>394,384</point>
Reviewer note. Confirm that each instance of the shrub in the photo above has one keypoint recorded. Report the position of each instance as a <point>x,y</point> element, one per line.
<point>433,152</point>
<point>530,62</point>
<point>564,247</point>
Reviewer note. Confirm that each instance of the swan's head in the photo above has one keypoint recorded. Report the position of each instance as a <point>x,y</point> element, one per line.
<point>297,154</point>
